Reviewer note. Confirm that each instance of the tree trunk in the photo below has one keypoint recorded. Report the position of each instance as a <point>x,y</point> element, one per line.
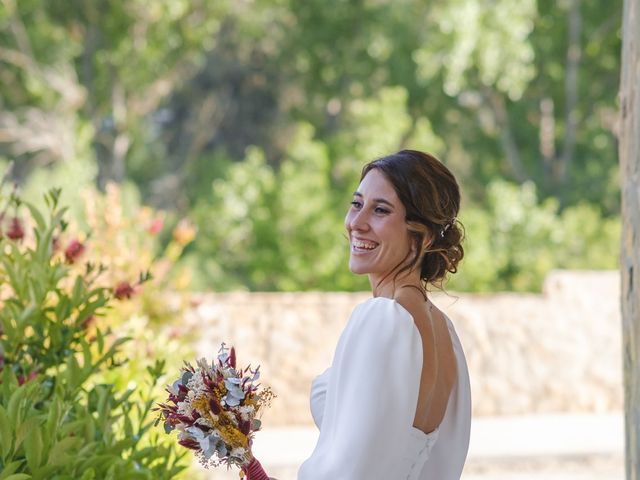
<point>561,169</point>
<point>496,104</point>
<point>630,245</point>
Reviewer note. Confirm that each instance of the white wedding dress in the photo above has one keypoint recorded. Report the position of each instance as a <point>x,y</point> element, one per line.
<point>364,404</point>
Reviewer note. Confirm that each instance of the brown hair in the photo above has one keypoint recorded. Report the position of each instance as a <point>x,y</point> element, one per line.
<point>431,196</point>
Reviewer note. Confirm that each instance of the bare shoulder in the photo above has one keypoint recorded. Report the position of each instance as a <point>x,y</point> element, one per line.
<point>413,302</point>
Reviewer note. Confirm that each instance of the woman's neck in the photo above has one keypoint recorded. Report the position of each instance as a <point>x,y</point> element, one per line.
<point>389,286</point>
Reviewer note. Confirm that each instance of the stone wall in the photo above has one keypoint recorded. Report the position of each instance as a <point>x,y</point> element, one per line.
<point>559,351</point>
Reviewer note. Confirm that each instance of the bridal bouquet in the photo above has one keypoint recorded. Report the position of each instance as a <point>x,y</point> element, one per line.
<point>214,408</point>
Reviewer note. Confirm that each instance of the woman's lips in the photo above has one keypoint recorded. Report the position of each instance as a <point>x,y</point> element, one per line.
<point>362,247</point>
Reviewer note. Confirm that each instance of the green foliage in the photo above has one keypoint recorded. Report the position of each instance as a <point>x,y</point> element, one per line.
<point>269,229</point>
<point>57,419</point>
<point>309,229</point>
<point>180,98</point>
<point>235,226</point>
<point>489,44</point>
<point>282,229</point>
<point>514,243</point>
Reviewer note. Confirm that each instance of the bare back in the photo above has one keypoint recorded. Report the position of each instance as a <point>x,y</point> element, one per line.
<point>439,368</point>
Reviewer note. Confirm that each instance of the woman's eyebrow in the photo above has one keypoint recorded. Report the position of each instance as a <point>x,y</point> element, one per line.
<point>376,200</point>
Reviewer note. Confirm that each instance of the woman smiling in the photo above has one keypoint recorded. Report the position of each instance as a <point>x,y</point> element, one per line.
<point>396,401</point>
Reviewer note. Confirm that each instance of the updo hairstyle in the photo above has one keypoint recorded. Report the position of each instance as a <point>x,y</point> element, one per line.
<point>431,196</point>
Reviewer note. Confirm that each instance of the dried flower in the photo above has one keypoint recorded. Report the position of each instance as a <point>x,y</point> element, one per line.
<point>232,357</point>
<point>214,407</point>
<point>16,230</point>
<point>74,250</point>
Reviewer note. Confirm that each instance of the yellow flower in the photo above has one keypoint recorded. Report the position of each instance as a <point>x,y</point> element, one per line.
<point>232,436</point>
<point>184,232</point>
<point>201,404</point>
<point>229,433</point>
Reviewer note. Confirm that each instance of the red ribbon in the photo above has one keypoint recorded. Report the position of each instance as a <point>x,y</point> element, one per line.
<point>254,471</point>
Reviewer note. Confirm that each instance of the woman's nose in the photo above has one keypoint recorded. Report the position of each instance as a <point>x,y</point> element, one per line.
<point>358,220</point>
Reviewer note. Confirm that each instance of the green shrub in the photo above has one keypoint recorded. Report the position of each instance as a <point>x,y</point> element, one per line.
<point>282,229</point>
<point>513,242</point>
<point>58,419</point>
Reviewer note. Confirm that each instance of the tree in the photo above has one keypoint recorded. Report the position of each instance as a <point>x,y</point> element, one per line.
<point>170,97</point>
<point>94,74</point>
<point>629,258</point>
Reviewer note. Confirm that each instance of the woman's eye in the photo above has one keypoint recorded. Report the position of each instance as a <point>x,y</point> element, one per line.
<point>380,210</point>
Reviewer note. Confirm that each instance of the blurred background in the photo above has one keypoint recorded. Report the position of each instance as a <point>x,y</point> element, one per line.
<point>217,144</point>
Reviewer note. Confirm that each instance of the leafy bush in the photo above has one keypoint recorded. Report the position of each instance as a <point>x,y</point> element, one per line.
<point>516,240</point>
<point>58,419</point>
<point>282,229</point>
<point>130,238</point>
<point>267,229</point>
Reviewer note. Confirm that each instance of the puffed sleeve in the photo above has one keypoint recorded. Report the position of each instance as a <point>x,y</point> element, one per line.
<point>371,396</point>
<point>318,396</point>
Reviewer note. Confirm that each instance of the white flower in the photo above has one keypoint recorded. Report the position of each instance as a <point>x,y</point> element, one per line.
<point>246,411</point>
<point>196,385</point>
<point>206,422</point>
<point>238,453</point>
<point>185,408</point>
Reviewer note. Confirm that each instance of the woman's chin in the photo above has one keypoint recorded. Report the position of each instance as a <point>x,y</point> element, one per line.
<point>358,268</point>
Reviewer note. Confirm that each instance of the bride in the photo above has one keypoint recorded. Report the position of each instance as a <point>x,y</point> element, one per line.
<point>396,401</point>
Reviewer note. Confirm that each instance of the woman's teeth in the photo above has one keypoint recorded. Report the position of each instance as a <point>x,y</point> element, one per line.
<point>364,245</point>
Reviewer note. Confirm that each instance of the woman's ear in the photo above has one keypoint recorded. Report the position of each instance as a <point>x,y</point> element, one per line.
<point>424,244</point>
<point>413,245</point>
<point>427,241</point>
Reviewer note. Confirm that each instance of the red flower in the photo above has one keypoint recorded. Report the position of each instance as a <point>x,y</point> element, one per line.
<point>214,406</point>
<point>15,232</point>
<point>86,323</point>
<point>123,290</point>
<point>245,426</point>
<point>232,357</point>
<point>74,250</point>
<point>187,442</point>
<point>22,379</point>
<point>155,226</point>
